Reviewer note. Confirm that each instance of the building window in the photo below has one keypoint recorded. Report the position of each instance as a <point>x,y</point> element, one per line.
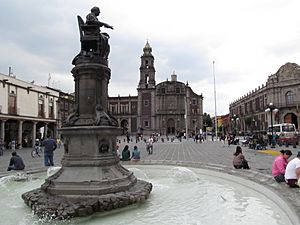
<point>177,90</point>
<point>113,109</point>
<point>146,102</point>
<point>194,111</point>
<point>163,90</point>
<point>194,101</point>
<point>124,109</point>
<point>146,123</point>
<point>289,97</point>
<point>41,108</point>
<point>12,104</point>
<point>51,109</point>
<point>194,123</point>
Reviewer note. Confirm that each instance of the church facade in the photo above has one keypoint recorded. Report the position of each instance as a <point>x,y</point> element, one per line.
<point>169,108</point>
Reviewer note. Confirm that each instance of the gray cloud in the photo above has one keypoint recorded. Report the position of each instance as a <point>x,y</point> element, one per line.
<point>247,41</point>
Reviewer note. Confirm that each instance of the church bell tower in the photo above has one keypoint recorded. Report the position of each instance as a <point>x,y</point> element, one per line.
<point>146,91</point>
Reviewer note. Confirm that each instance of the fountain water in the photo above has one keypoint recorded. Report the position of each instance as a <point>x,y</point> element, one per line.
<point>91,178</point>
<point>180,196</point>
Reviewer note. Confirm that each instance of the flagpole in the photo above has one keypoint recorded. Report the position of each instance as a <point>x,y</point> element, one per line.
<point>216,120</point>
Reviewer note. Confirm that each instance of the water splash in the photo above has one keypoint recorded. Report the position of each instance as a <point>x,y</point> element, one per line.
<point>52,170</point>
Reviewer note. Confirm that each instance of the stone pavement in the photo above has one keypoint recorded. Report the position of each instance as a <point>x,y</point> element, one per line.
<point>208,152</point>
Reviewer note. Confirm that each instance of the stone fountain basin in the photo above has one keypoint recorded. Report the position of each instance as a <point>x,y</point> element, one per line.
<point>181,195</point>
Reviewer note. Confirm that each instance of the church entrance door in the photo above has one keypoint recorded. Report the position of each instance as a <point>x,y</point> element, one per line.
<point>171,126</point>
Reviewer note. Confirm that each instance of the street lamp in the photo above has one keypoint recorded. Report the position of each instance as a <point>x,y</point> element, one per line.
<point>271,108</point>
<point>253,125</point>
<point>234,119</point>
<point>204,126</point>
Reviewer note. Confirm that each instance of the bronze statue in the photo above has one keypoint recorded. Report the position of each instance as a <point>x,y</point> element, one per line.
<point>94,43</point>
<point>91,19</point>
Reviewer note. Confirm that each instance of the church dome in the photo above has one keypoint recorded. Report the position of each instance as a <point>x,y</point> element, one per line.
<point>147,49</point>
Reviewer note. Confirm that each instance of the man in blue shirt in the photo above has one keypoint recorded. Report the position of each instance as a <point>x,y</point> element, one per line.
<point>49,147</point>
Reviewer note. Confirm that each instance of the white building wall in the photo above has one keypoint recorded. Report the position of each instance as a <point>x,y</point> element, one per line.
<point>26,104</point>
<point>3,98</point>
<point>27,101</point>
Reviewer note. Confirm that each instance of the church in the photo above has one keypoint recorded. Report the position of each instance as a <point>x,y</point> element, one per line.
<point>169,108</point>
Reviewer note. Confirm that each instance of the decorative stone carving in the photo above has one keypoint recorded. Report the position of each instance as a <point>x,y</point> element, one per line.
<point>103,119</point>
<point>103,146</point>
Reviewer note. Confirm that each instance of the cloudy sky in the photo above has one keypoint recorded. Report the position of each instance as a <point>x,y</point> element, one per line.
<point>248,40</point>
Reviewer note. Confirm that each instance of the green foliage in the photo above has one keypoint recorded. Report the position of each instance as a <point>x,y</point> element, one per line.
<point>207,122</point>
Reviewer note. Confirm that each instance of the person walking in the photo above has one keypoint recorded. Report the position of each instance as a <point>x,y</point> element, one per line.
<point>279,165</point>
<point>239,160</point>
<point>16,162</point>
<point>49,148</point>
<point>292,172</point>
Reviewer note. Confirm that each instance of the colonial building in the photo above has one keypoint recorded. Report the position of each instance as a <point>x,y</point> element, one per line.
<point>282,89</point>
<point>28,111</point>
<point>169,107</point>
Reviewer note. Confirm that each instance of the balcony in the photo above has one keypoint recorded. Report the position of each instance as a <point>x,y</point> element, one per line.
<point>12,110</point>
<point>288,105</point>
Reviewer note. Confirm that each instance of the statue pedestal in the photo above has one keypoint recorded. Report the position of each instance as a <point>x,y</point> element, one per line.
<point>90,165</point>
<point>91,178</point>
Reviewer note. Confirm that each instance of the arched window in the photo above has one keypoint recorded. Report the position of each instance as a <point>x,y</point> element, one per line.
<point>289,98</point>
<point>146,78</point>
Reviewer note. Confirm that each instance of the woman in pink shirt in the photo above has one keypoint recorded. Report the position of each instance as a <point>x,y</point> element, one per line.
<point>279,165</point>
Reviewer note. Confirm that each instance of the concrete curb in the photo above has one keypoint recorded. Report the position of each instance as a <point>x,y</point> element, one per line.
<point>285,197</point>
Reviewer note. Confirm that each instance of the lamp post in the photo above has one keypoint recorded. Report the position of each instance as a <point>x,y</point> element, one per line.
<point>234,119</point>
<point>253,125</point>
<point>204,126</point>
<point>271,108</point>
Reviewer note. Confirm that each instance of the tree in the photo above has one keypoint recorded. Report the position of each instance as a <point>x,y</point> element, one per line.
<point>207,122</point>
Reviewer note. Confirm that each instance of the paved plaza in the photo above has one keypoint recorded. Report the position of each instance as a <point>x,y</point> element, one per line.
<point>209,152</point>
<point>213,155</point>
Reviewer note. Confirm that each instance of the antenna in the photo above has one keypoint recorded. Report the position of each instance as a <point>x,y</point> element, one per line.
<point>10,72</point>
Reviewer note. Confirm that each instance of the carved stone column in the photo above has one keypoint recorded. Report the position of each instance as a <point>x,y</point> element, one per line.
<point>20,131</point>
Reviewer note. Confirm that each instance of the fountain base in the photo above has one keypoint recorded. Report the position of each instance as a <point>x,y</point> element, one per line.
<point>91,178</point>
<point>64,207</point>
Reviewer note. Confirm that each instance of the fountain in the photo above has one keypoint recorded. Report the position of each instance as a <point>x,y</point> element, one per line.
<point>91,178</point>
<point>181,195</point>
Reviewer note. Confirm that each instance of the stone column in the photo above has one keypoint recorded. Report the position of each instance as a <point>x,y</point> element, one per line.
<point>20,134</point>
<point>45,130</point>
<point>2,131</point>
<point>129,125</point>
<point>55,133</point>
<point>33,135</point>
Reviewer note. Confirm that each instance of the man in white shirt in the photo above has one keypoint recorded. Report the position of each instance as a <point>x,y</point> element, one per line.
<point>292,171</point>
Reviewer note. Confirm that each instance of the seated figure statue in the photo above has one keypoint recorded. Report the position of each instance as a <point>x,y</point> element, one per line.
<point>91,19</point>
<point>93,42</point>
